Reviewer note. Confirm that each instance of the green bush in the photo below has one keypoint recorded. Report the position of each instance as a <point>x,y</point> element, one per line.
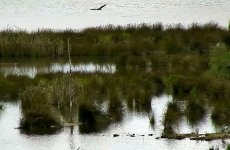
<point>37,109</point>
<point>220,61</point>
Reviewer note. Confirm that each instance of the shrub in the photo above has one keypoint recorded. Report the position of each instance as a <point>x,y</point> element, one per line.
<point>220,61</point>
<point>42,104</point>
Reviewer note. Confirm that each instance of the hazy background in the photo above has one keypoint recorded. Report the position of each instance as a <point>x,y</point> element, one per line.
<point>62,14</point>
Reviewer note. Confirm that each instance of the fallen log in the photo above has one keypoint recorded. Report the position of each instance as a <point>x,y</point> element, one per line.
<point>194,136</point>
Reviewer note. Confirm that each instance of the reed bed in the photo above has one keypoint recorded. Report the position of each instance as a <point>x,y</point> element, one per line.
<point>141,39</point>
<point>190,63</point>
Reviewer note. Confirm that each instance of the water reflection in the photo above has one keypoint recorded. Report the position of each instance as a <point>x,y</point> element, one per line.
<point>31,71</point>
<point>92,119</point>
<point>157,121</point>
<point>132,122</point>
<point>115,104</point>
<point>195,113</point>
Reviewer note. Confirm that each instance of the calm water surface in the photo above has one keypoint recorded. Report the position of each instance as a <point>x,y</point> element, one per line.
<point>31,68</point>
<point>62,14</point>
<point>132,123</point>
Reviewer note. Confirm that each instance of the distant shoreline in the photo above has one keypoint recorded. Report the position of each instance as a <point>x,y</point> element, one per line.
<point>81,28</point>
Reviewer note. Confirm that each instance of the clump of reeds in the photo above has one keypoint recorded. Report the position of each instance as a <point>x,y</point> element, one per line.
<point>16,43</point>
<point>169,82</point>
<point>115,106</point>
<point>152,119</point>
<point>92,119</point>
<point>171,117</point>
<point>11,85</point>
<point>37,109</point>
<point>42,104</point>
<point>220,60</point>
<point>220,114</point>
<point>195,112</point>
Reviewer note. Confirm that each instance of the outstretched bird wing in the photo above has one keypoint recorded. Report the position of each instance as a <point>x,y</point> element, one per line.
<point>99,7</point>
<point>102,6</point>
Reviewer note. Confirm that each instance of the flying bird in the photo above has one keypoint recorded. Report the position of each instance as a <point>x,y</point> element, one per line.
<point>99,7</point>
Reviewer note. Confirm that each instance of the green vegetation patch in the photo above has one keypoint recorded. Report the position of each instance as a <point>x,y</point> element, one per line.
<point>42,104</point>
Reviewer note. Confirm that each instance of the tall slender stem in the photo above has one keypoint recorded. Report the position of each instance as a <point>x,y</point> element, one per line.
<point>70,64</point>
<point>70,98</point>
<point>71,101</point>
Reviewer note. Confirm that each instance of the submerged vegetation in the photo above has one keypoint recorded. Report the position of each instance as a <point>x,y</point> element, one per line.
<point>192,64</point>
